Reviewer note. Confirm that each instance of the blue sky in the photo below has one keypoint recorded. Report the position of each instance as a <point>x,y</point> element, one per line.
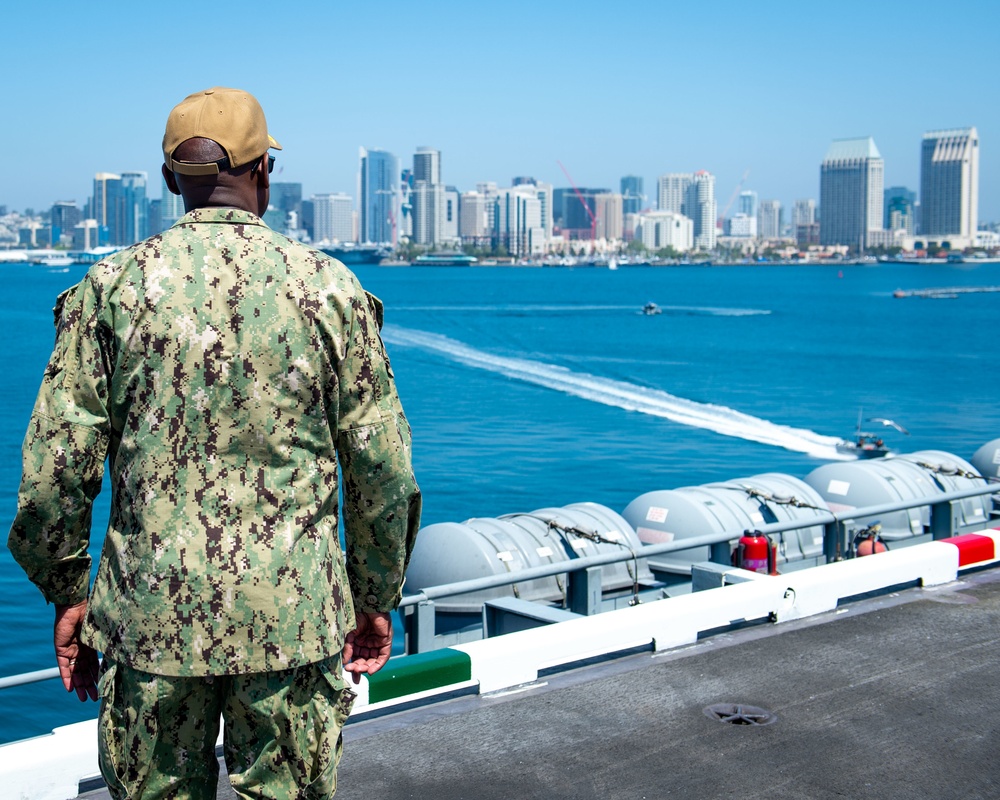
<point>505,89</point>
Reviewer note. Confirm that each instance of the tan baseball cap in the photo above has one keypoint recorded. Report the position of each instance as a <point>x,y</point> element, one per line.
<point>231,117</point>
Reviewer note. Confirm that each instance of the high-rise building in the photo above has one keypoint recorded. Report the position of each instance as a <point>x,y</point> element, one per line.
<point>769,219</point>
<point>63,218</point>
<point>632,196</point>
<point>543,191</point>
<point>850,193</point>
<point>701,209</point>
<point>488,189</point>
<point>171,206</point>
<point>672,192</point>
<point>452,215</point>
<point>899,213</point>
<point>332,221</point>
<point>378,190</point>
<point>428,203</point>
<point>579,211</point>
<point>427,165</point>
<point>102,202</point>
<point>804,212</point>
<point>286,198</point>
<point>610,220</point>
<point>518,215</point>
<point>748,203</point>
<point>120,205</point>
<point>85,235</point>
<point>692,195</point>
<point>892,196</point>
<point>949,183</point>
<point>473,227</point>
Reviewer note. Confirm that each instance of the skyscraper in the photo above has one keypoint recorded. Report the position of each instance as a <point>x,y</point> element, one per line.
<point>748,203</point>
<point>63,218</point>
<point>769,219</point>
<point>379,176</point>
<point>804,212</point>
<point>428,202</point>
<point>427,165</point>
<point>102,202</point>
<point>332,218</point>
<point>121,201</point>
<point>949,183</point>
<point>701,208</point>
<point>850,193</point>
<point>672,191</point>
<point>472,218</point>
<point>632,196</point>
<point>608,210</point>
<point>518,219</point>
<point>427,199</point>
<point>171,206</point>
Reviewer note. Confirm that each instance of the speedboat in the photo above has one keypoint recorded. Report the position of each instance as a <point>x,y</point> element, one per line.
<point>869,445</point>
<point>651,309</point>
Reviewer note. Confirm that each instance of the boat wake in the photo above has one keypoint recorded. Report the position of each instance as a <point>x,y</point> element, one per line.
<point>514,308</point>
<point>621,394</point>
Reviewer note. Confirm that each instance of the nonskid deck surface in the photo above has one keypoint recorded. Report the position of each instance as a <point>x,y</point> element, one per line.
<point>893,697</point>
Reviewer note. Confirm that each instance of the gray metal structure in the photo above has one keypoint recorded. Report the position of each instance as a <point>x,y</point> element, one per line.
<point>986,460</point>
<point>674,515</point>
<point>925,474</point>
<point>482,547</point>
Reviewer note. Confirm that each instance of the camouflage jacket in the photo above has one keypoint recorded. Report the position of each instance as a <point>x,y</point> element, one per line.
<point>222,370</point>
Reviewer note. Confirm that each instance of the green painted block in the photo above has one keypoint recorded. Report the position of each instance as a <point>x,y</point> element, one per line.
<point>420,672</point>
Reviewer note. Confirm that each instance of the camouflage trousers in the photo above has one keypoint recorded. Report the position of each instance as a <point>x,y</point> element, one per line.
<point>282,737</point>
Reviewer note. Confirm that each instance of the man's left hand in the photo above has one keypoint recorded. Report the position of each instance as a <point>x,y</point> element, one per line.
<point>78,664</point>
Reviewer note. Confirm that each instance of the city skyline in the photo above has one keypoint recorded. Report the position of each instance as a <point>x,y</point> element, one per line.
<point>499,104</point>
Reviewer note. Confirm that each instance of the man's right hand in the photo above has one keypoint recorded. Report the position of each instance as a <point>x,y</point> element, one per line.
<point>369,645</point>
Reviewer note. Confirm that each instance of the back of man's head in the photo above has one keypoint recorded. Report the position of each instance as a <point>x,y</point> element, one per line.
<point>213,140</point>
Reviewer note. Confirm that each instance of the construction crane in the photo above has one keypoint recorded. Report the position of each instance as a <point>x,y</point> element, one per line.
<point>736,193</point>
<point>579,196</point>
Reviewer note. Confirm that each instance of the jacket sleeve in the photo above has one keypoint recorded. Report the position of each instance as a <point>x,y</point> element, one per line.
<point>381,497</point>
<point>63,456</point>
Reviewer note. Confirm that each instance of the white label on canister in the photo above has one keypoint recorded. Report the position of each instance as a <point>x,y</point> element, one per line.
<point>613,536</point>
<point>817,538</point>
<point>656,514</point>
<point>916,526</point>
<point>757,517</point>
<point>977,512</point>
<point>579,544</point>
<point>653,536</point>
<point>504,555</point>
<point>544,552</point>
<point>839,487</point>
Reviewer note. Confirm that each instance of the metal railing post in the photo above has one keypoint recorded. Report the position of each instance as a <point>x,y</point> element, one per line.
<point>721,553</point>
<point>584,591</point>
<point>420,628</point>
<point>834,546</point>
<point>943,519</point>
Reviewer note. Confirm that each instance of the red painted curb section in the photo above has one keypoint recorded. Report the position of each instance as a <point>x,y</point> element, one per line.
<point>973,548</point>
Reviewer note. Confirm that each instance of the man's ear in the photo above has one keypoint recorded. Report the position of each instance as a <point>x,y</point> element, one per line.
<point>171,180</point>
<point>264,173</point>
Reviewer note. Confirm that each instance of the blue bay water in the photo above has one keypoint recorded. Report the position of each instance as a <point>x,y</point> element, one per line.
<point>541,387</point>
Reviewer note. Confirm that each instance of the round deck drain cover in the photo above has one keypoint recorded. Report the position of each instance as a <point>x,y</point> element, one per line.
<point>738,714</point>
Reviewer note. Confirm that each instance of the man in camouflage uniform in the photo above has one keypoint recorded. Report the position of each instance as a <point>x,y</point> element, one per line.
<point>222,370</point>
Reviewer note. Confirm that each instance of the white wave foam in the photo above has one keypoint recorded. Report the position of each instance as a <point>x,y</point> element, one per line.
<point>707,311</point>
<point>720,419</point>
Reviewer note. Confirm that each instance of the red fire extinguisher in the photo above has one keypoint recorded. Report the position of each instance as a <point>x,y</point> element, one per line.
<point>755,553</point>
